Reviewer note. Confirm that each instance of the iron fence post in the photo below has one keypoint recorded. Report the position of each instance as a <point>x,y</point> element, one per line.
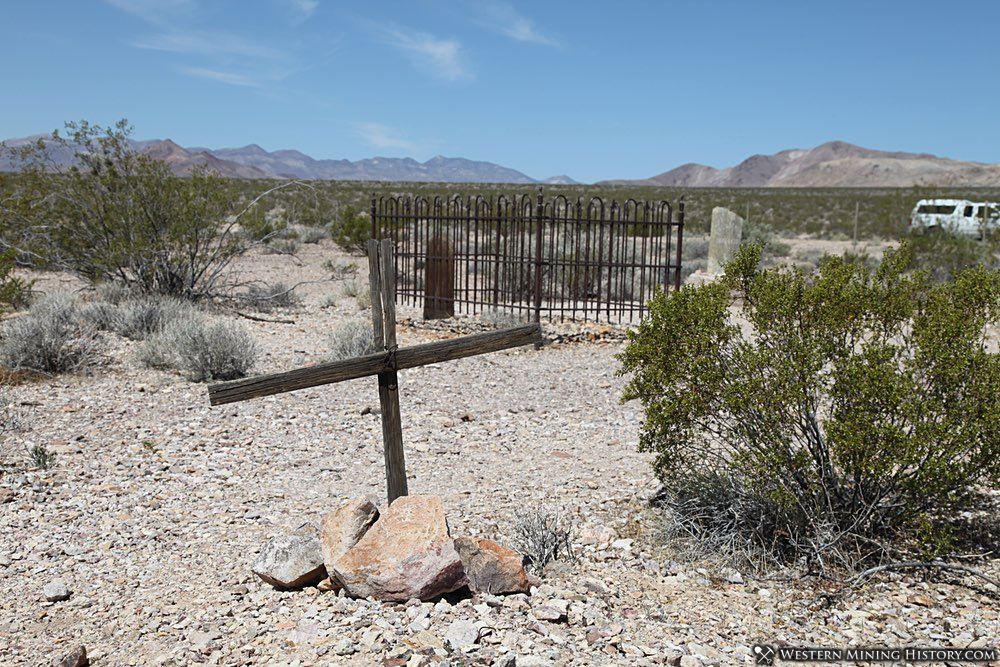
<point>539,213</point>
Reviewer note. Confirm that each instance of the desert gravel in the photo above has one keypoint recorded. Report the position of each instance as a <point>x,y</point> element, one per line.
<point>157,505</point>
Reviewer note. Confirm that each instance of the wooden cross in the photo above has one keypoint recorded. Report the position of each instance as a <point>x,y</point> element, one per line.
<point>384,364</point>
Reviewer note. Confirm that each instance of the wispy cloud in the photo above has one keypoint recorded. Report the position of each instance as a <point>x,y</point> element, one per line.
<point>154,11</point>
<point>442,58</point>
<point>230,78</point>
<point>384,137</point>
<point>215,55</point>
<point>301,9</point>
<point>502,17</point>
<point>207,43</point>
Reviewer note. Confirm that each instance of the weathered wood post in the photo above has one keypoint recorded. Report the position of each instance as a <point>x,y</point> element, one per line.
<point>382,283</point>
<point>439,280</point>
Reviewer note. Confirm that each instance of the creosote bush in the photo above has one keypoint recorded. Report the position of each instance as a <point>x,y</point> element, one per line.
<point>202,349</point>
<point>53,337</point>
<point>15,293</point>
<point>118,215</point>
<point>855,410</point>
<point>351,230</point>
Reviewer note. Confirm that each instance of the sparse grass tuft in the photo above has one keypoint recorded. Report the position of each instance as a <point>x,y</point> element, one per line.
<point>542,536</point>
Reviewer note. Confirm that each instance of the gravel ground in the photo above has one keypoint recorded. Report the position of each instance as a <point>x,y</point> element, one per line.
<point>157,505</point>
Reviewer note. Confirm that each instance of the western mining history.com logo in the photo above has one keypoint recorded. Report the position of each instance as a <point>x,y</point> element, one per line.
<point>767,654</point>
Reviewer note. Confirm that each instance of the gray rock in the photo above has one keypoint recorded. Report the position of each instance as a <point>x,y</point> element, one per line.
<point>291,561</point>
<point>461,634</point>
<point>734,577</point>
<point>56,591</point>
<point>344,647</point>
<point>533,661</point>
<point>727,232</point>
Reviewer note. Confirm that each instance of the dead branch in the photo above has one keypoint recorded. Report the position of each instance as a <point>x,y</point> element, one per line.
<point>256,318</point>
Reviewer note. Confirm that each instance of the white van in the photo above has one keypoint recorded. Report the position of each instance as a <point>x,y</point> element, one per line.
<point>955,216</point>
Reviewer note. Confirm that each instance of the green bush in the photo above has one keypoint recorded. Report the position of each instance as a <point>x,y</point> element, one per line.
<point>352,230</point>
<point>853,408</point>
<point>943,255</point>
<point>15,293</point>
<point>121,216</point>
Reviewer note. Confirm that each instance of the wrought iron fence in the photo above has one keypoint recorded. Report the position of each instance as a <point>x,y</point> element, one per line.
<point>557,258</point>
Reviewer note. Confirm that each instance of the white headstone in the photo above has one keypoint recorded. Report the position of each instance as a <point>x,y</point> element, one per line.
<point>727,230</point>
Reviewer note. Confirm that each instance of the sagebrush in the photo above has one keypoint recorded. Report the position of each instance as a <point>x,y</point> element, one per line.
<point>52,337</point>
<point>202,349</point>
<point>352,338</point>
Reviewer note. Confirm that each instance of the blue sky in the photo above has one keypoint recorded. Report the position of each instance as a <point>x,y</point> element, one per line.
<point>591,89</point>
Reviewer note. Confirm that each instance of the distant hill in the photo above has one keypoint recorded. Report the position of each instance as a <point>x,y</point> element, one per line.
<point>254,162</point>
<point>833,164</point>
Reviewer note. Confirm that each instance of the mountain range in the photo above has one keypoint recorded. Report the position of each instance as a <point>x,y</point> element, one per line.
<point>254,162</point>
<point>833,164</point>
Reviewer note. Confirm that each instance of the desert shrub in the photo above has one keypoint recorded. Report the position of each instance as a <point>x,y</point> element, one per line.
<point>755,232</point>
<point>943,255</point>
<point>695,247</point>
<point>312,235</point>
<point>352,338</point>
<point>135,318</point>
<point>142,317</point>
<point>281,246</point>
<point>113,293</point>
<point>265,297</point>
<point>202,349</point>
<point>15,293</point>
<point>541,536</point>
<point>52,337</point>
<point>856,408</point>
<point>102,315</point>
<point>351,230</point>
<point>121,216</point>
<point>41,457</point>
<point>359,290</point>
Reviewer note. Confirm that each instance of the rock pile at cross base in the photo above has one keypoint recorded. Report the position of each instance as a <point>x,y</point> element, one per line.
<point>405,553</point>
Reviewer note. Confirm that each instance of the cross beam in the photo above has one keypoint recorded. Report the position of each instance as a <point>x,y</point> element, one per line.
<point>383,364</point>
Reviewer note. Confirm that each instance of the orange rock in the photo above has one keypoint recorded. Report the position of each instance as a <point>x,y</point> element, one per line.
<point>343,527</point>
<point>407,554</point>
<point>491,568</point>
